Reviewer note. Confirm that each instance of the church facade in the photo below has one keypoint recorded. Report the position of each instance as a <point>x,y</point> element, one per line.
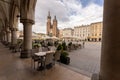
<point>52,29</point>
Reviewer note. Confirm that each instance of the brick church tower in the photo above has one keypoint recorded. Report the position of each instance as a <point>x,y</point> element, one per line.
<point>52,29</point>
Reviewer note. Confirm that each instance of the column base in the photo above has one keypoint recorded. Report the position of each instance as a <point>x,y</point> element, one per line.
<point>95,76</point>
<point>25,54</point>
<point>7,44</point>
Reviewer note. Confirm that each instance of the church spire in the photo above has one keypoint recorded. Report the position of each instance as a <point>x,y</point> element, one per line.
<point>49,15</point>
<point>55,18</point>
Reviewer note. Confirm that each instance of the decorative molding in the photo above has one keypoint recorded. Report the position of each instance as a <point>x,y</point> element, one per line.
<point>13,29</point>
<point>8,31</point>
<point>27,21</point>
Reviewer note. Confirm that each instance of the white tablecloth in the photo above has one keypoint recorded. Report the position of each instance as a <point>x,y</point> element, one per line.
<point>40,54</point>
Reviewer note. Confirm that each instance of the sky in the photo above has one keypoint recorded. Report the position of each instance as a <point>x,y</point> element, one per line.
<point>69,13</point>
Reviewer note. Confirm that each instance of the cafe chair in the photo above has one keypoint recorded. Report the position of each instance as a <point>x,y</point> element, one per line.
<point>48,60</point>
<point>34,58</point>
<point>57,56</point>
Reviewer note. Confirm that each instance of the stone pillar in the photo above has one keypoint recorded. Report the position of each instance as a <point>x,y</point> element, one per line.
<point>110,57</point>
<point>14,36</point>
<point>2,37</point>
<point>9,36</point>
<point>27,12</point>
<point>27,38</point>
<point>5,37</point>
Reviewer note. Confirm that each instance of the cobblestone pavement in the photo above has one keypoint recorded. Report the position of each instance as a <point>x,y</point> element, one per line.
<point>87,59</point>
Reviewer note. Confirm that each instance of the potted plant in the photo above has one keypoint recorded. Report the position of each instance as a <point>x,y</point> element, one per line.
<point>60,47</point>
<point>36,45</point>
<point>64,57</point>
<point>64,46</point>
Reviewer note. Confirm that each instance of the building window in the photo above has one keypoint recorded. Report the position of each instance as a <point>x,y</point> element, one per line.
<point>95,34</point>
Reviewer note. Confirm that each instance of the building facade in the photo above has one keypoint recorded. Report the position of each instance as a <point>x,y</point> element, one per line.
<point>81,32</point>
<point>92,32</point>
<point>68,32</point>
<point>95,32</point>
<point>52,29</point>
<point>60,33</point>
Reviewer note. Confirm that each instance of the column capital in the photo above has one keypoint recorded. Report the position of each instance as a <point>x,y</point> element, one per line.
<point>4,32</point>
<point>27,21</point>
<point>13,29</point>
<point>9,31</point>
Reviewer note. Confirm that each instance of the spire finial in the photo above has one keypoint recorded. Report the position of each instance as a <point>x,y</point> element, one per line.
<point>48,13</point>
<point>55,17</point>
<point>49,17</point>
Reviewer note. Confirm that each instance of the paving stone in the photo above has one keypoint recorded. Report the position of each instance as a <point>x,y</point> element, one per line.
<point>86,59</point>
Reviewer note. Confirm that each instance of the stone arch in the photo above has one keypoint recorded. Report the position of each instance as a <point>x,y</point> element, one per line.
<point>13,21</point>
<point>3,16</point>
<point>14,16</point>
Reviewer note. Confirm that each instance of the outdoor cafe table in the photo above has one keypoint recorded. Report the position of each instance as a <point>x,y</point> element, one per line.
<point>41,55</point>
<point>47,52</point>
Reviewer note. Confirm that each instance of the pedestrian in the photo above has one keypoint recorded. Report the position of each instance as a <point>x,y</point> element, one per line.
<point>83,44</point>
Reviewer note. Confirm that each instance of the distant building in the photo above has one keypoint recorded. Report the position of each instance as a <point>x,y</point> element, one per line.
<point>96,31</point>
<point>34,35</point>
<point>68,32</point>
<point>81,32</point>
<point>41,35</point>
<point>52,29</point>
<point>92,32</point>
<point>61,33</point>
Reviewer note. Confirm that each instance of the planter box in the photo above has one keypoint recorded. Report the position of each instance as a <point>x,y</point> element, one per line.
<point>65,60</point>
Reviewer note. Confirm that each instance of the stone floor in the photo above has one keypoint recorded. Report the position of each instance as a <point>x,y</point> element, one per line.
<point>14,68</point>
<point>86,60</point>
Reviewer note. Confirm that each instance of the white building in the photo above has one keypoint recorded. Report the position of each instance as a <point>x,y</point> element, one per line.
<point>92,32</point>
<point>81,32</point>
<point>67,34</point>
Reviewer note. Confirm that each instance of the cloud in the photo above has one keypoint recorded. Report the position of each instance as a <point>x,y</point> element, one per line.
<point>69,13</point>
<point>82,15</point>
<point>87,15</point>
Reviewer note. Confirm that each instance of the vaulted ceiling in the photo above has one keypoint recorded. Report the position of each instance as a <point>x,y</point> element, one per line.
<point>6,10</point>
<point>10,10</point>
